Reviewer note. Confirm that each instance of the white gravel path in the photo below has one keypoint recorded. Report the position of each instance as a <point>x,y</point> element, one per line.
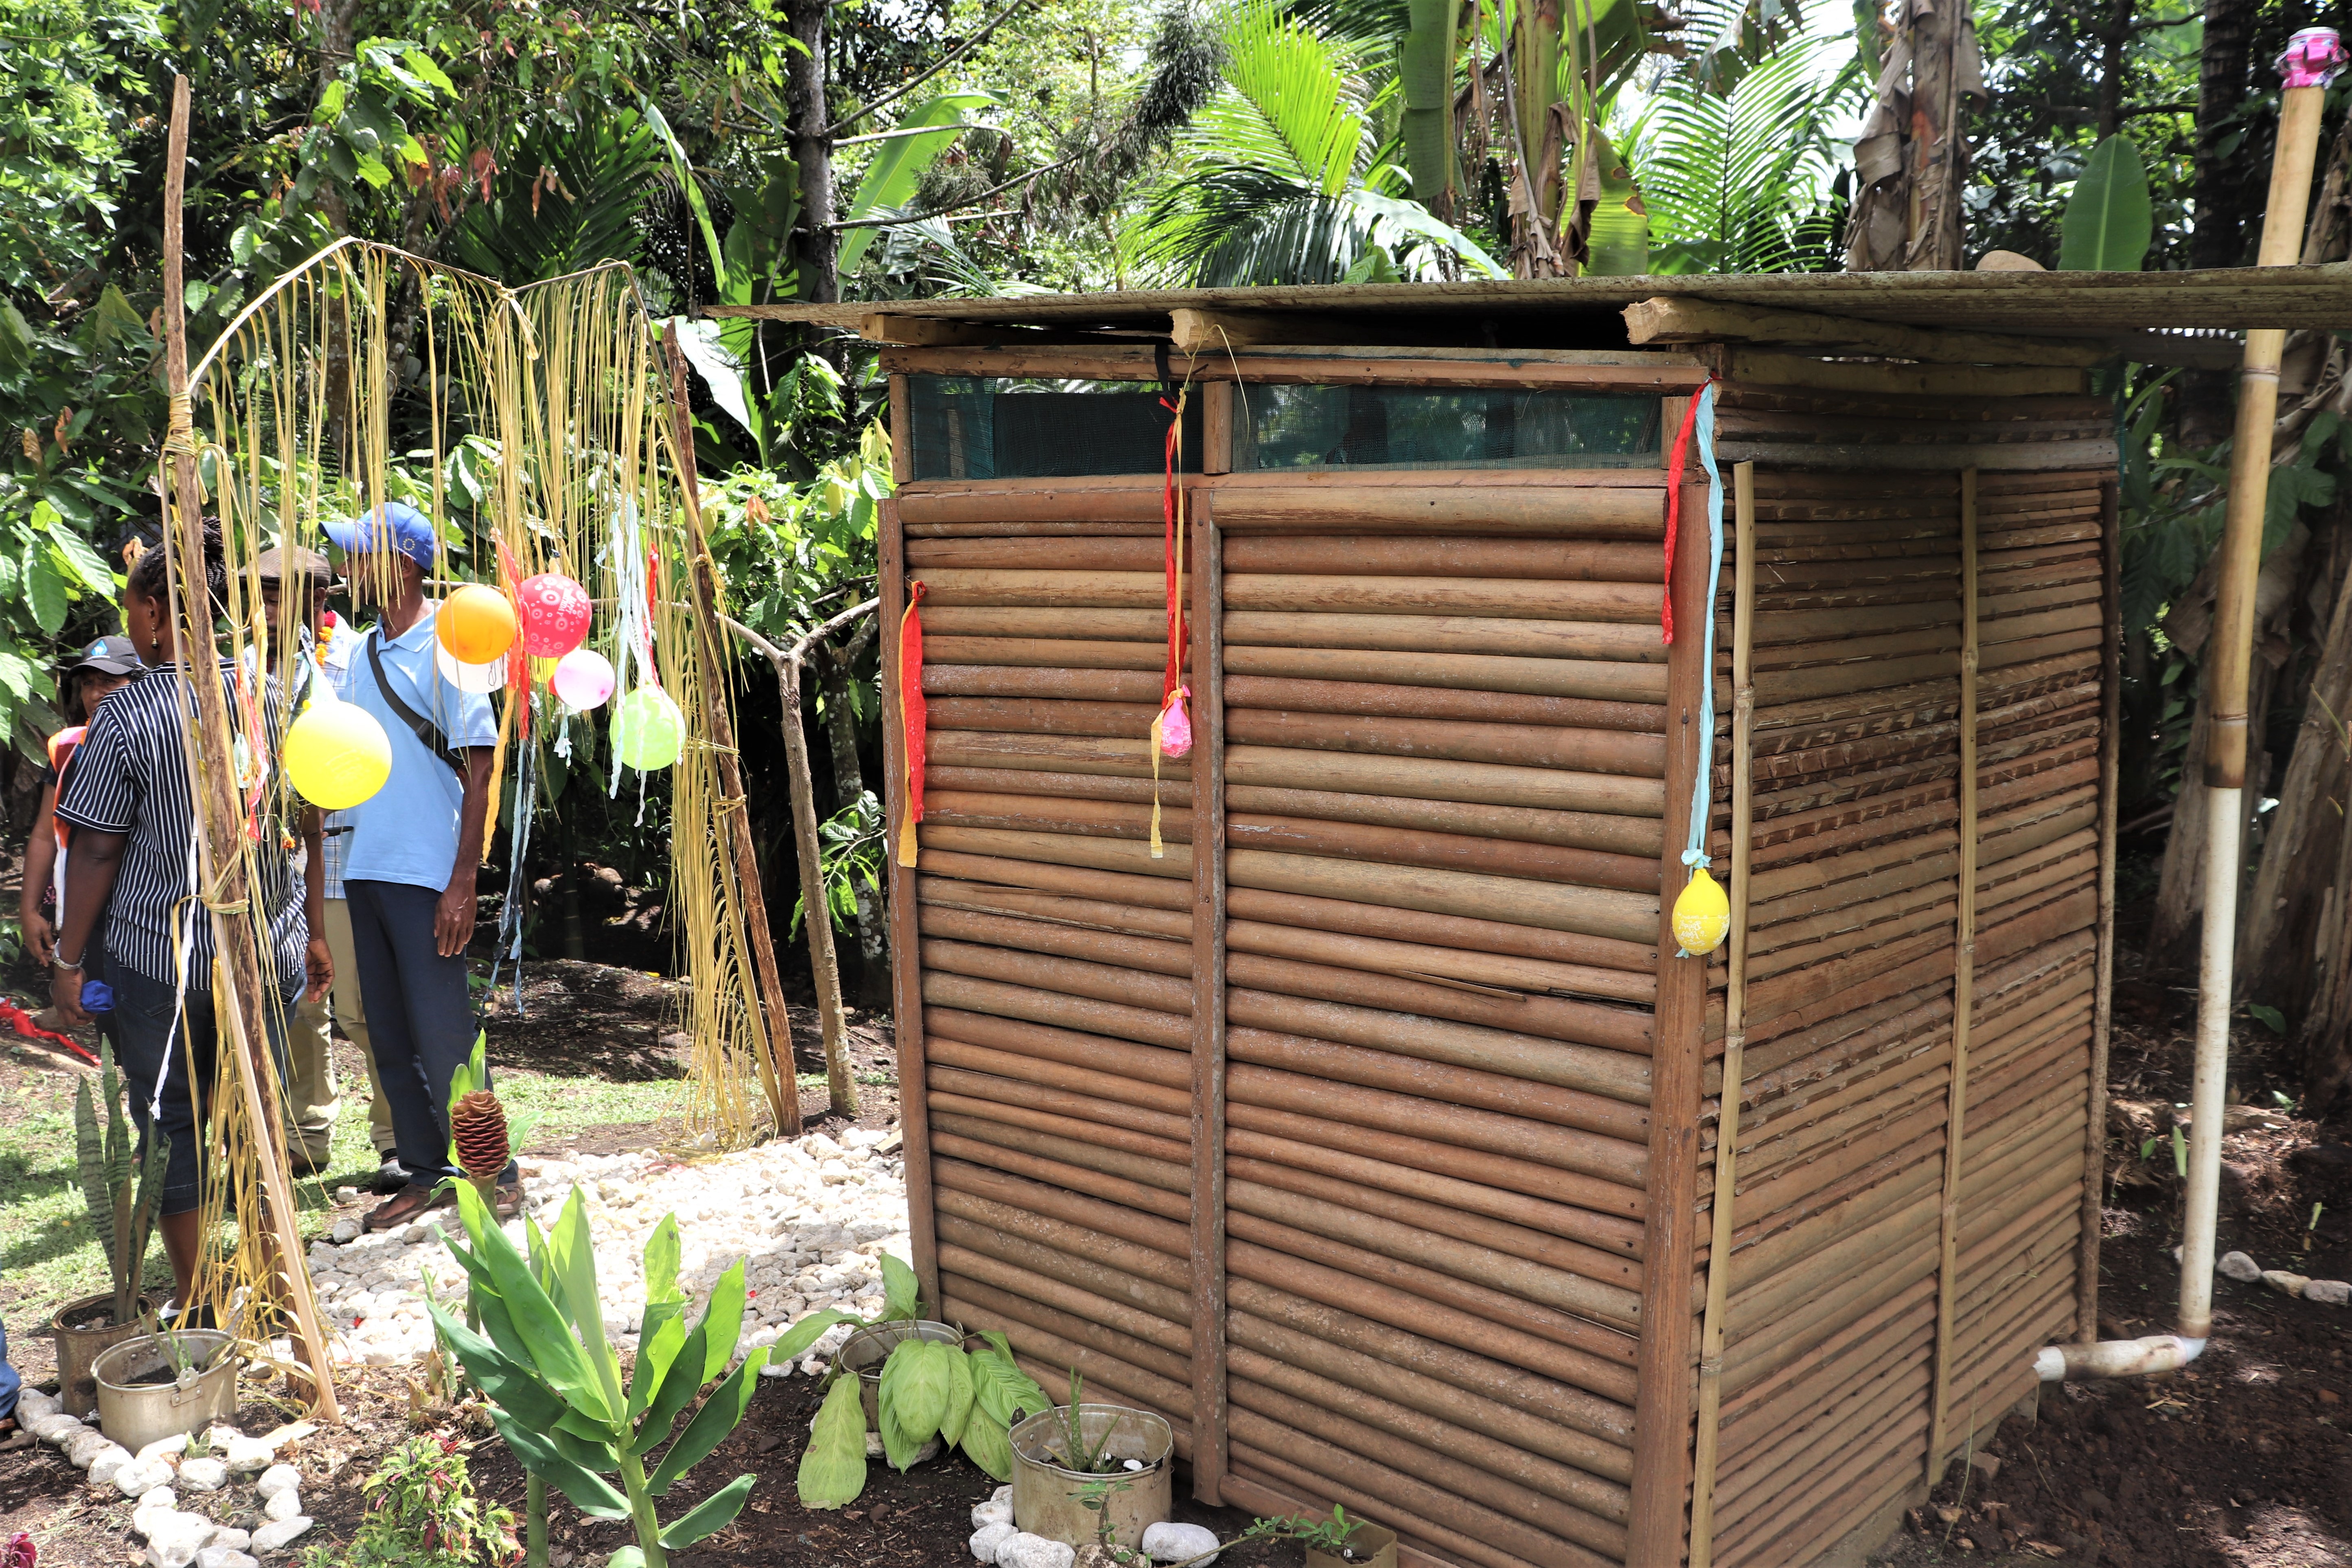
<point>813,1217</point>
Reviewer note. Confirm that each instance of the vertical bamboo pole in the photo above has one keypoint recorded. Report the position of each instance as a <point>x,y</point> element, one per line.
<point>2225,754</point>
<point>1208,1381</point>
<point>1735,1017</point>
<point>220,815</point>
<point>1964,983</point>
<point>771,1023</point>
<point>906,959</point>
<point>902,431</point>
<point>1664,1391</point>
<point>2103,1010</point>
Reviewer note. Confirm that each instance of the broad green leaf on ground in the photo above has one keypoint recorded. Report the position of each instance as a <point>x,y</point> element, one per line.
<point>833,1469</point>
<point>987,1444</point>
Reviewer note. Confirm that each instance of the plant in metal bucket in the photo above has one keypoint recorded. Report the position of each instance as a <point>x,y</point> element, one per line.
<point>929,1389</point>
<point>555,1387</point>
<point>106,1160</point>
<point>1073,1452</point>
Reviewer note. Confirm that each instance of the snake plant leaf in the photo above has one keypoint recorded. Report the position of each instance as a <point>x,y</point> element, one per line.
<point>713,1514</point>
<point>961,1397</point>
<point>553,1350</point>
<point>513,1388</point>
<point>833,1468</point>
<point>901,1292</point>
<point>987,1444</point>
<point>590,1493</point>
<point>719,1414</point>
<point>89,1168</point>
<point>2109,220</point>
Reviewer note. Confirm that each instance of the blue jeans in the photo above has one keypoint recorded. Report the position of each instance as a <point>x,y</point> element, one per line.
<point>420,1014</point>
<point>9,1382</point>
<point>146,1041</point>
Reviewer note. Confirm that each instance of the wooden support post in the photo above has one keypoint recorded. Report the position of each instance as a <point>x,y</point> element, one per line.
<point>902,431</point>
<point>1735,1016</point>
<point>1208,1007</point>
<point>1964,980</point>
<point>771,1023</point>
<point>2103,999</point>
<point>1217,426</point>
<point>1664,1394</point>
<point>905,940</point>
<point>220,812</point>
<point>1676,320</point>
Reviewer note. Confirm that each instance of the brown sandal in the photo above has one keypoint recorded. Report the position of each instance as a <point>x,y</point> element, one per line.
<point>411,1203</point>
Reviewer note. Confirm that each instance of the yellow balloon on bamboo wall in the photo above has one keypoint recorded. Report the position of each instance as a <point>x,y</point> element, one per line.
<point>1702,915</point>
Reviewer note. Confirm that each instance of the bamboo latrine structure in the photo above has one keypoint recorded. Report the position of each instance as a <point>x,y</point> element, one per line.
<point>1372,1131</point>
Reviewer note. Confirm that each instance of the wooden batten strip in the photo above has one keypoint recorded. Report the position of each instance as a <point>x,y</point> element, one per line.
<point>1735,1013</point>
<point>906,965</point>
<point>1545,560</point>
<point>1568,599</point>
<point>1058,653</point>
<point>1475,782</point>
<point>1948,1282</point>
<point>1209,1362</point>
<point>1588,911</point>
<point>1591,680</point>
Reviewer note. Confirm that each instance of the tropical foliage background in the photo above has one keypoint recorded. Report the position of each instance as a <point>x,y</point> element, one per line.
<point>743,151</point>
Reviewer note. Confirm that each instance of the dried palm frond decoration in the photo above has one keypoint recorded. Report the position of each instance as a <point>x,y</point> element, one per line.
<point>548,404</point>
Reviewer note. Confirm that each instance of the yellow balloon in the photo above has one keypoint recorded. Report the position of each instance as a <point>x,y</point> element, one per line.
<point>1702,915</point>
<point>476,624</point>
<point>337,756</point>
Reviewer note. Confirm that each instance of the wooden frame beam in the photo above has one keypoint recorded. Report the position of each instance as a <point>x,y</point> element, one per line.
<point>1209,332</point>
<point>1705,320</point>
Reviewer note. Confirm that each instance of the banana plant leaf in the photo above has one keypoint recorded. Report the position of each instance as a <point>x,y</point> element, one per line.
<point>2109,220</point>
<point>891,178</point>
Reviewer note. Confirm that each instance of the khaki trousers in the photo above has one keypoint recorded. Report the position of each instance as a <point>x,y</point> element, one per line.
<point>311,1082</point>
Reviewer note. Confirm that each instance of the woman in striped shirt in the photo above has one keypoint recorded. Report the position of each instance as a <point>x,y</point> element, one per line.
<point>134,844</point>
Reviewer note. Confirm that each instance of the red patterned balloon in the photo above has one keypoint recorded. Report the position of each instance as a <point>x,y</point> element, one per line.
<point>555,614</point>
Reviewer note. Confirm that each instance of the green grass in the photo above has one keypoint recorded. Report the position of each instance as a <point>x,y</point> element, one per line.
<point>49,1254</point>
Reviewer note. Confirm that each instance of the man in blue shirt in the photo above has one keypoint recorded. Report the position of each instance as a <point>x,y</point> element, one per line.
<point>412,851</point>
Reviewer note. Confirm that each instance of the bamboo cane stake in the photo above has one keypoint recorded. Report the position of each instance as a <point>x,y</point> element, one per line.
<point>771,1022</point>
<point>2095,1148</point>
<point>222,864</point>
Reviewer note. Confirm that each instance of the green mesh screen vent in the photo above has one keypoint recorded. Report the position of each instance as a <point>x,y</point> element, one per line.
<point>988,427</point>
<point>1423,428</point>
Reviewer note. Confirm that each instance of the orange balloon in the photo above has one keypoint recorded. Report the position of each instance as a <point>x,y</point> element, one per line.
<point>477,623</point>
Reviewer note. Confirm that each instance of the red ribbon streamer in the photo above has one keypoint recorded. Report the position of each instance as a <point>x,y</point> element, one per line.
<point>1674,461</point>
<point>913,717</point>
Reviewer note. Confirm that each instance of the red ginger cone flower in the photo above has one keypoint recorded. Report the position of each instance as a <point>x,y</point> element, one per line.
<point>477,1125</point>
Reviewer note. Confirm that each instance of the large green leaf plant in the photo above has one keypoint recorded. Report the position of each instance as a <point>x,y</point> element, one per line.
<point>554,1383</point>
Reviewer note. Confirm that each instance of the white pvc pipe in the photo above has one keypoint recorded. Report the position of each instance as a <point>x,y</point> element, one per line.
<point>2117,1358</point>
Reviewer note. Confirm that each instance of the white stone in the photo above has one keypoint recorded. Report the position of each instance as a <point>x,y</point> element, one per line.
<point>276,1478</point>
<point>51,1426</point>
<point>234,1539</point>
<point>2334,1292</point>
<point>2284,1283</point>
<point>248,1454</point>
<point>170,1554</point>
<point>283,1505</point>
<point>1169,1542</point>
<point>2240,1266</point>
<point>166,1448</point>
<point>992,1512</point>
<point>102,1456</point>
<point>204,1475</point>
<point>988,1537</point>
<point>346,1231</point>
<point>1024,1550</point>
<point>218,1556</point>
<point>275,1537</point>
<point>220,1435</point>
<point>159,1497</point>
<point>33,1402</point>
<point>140,1477</point>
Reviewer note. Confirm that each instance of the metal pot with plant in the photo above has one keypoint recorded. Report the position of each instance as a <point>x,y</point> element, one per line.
<point>121,1190</point>
<point>1093,1473</point>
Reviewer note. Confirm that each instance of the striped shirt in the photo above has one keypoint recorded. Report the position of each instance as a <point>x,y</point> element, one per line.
<point>129,776</point>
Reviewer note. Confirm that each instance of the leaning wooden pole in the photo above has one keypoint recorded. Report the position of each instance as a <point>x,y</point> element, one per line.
<point>771,1023</point>
<point>2233,647</point>
<point>220,841</point>
<point>1735,1019</point>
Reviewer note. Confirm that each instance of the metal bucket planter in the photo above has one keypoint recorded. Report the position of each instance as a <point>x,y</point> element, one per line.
<point>78,1349</point>
<point>1052,1501</point>
<point>864,1352</point>
<point>136,1414</point>
<point>1369,1546</point>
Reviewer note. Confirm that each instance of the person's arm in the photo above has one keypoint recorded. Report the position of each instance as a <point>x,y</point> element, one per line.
<point>90,872</point>
<point>453,922</point>
<point>40,866</point>
<point>317,962</point>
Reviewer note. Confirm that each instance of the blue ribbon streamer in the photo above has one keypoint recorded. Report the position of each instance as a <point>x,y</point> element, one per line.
<point>1703,787</point>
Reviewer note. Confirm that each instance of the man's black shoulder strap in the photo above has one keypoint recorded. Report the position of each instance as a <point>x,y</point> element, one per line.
<point>427,733</point>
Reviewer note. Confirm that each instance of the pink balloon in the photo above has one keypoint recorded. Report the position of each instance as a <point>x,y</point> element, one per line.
<point>555,614</point>
<point>582,679</point>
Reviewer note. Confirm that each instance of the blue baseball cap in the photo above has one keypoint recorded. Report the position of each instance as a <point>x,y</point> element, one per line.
<point>392,523</point>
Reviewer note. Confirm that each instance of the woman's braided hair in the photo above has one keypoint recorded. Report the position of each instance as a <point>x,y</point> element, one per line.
<point>146,577</point>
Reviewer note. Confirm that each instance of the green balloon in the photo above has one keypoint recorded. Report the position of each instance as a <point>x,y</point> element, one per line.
<point>648,731</point>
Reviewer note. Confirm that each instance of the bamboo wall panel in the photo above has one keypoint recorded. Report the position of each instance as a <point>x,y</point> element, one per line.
<point>1831,1305</point>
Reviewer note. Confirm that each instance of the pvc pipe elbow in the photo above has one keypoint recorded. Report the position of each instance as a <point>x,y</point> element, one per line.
<point>2117,1358</point>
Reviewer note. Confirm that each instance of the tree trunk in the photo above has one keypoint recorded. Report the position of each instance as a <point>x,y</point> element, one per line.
<point>2277,950</point>
<point>2223,193</point>
<point>805,94</point>
<point>2112,69</point>
<point>1912,159</point>
<point>849,783</point>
